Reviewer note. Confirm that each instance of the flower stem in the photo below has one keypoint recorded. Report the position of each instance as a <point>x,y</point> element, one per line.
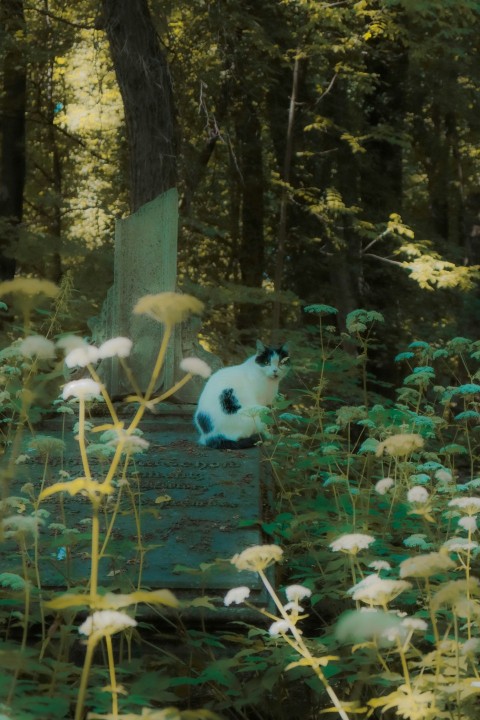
<point>84,678</point>
<point>113,679</point>
<point>302,649</point>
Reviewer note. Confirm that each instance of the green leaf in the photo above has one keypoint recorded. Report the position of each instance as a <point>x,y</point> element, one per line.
<point>321,309</point>
<point>12,581</point>
<point>368,445</point>
<point>454,449</point>
<point>467,389</point>
<point>404,356</point>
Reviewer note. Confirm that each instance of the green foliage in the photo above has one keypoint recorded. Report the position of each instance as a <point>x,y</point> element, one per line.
<point>375,508</point>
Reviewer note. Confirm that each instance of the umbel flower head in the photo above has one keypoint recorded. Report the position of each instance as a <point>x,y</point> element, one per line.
<point>47,446</point>
<point>37,346</point>
<point>115,347</point>
<point>352,543</point>
<point>82,356</point>
<point>423,566</point>
<point>257,557</point>
<point>400,445</point>
<point>237,595</point>
<point>29,287</point>
<point>106,622</point>
<point>84,389</point>
<point>375,590</point>
<point>168,308</point>
<point>196,366</point>
<point>384,485</point>
<point>469,505</point>
<point>417,494</point>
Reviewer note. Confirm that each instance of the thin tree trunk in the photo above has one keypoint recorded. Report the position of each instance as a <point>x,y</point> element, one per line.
<point>145,84</point>
<point>287,165</point>
<point>12,121</point>
<point>251,242</point>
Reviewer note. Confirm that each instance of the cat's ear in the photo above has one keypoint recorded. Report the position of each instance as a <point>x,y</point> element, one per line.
<point>285,347</point>
<point>260,347</point>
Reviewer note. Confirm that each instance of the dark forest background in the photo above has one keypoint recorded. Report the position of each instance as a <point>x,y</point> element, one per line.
<point>325,152</point>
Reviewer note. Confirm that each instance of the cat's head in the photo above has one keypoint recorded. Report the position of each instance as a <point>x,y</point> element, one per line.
<point>273,361</point>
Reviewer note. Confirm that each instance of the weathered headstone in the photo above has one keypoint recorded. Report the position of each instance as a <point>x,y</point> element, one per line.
<point>191,504</point>
<point>145,262</point>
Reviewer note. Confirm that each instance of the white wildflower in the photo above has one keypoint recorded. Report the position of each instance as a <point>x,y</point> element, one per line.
<point>413,624</point>
<point>384,485</point>
<point>195,366</point>
<point>459,544</point>
<point>106,622</point>
<point>417,494</point>
<point>352,543</point>
<point>423,566</point>
<point>82,356</point>
<point>293,606</point>
<point>38,346</point>
<point>378,591</point>
<point>358,626</point>
<point>394,633</point>
<point>471,646</point>
<point>380,565</point>
<point>131,443</point>
<point>84,389</point>
<point>69,343</point>
<point>400,445</point>
<point>280,627</point>
<point>470,505</point>
<point>295,593</point>
<point>468,522</point>
<point>444,476</point>
<point>20,525</point>
<point>117,346</point>
<point>257,557</point>
<point>236,595</point>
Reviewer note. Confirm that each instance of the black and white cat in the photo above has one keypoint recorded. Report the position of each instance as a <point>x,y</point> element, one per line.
<point>227,411</point>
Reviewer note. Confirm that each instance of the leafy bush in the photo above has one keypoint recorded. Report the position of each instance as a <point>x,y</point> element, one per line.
<point>376,604</point>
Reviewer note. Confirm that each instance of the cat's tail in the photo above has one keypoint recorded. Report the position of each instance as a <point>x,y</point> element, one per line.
<point>220,442</point>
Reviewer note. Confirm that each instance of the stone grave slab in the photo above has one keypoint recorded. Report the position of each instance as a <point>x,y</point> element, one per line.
<point>190,501</point>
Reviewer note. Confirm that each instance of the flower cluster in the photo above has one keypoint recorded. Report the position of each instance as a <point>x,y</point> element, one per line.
<point>257,557</point>
<point>400,445</point>
<point>82,354</point>
<point>168,308</point>
<point>352,543</point>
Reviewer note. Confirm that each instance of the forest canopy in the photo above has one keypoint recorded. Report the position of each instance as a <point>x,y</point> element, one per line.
<point>328,150</point>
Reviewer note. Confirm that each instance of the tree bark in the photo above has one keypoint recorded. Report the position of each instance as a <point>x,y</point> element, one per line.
<point>146,88</point>
<point>12,123</point>
<point>251,255</point>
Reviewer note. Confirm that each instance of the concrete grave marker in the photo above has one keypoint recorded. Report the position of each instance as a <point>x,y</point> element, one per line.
<point>145,263</point>
<point>191,502</point>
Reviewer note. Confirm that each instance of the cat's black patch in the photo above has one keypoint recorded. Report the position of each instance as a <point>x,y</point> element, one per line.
<point>220,442</point>
<point>229,401</point>
<point>264,357</point>
<point>204,422</point>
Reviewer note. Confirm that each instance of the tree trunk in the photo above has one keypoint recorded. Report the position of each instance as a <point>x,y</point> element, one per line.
<point>145,84</point>
<point>252,248</point>
<point>12,122</point>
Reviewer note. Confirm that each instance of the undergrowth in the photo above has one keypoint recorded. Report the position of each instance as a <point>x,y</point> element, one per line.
<point>373,543</point>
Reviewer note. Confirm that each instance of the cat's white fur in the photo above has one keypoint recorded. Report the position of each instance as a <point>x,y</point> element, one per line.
<point>228,408</point>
